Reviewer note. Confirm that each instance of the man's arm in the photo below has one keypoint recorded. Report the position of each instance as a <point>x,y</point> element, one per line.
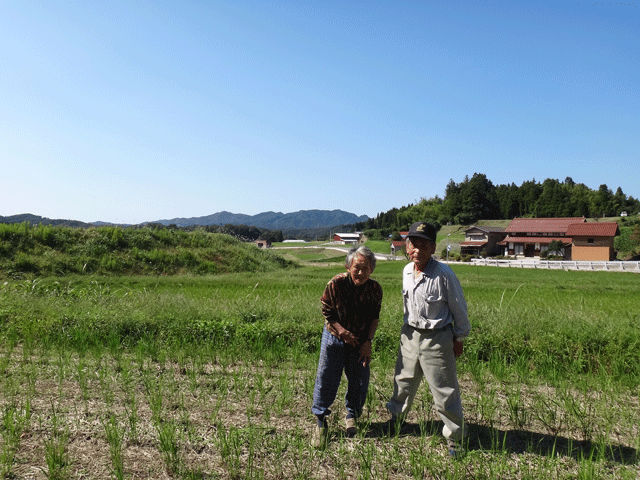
<point>458,307</point>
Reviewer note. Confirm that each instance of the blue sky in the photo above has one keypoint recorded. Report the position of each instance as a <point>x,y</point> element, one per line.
<point>137,111</point>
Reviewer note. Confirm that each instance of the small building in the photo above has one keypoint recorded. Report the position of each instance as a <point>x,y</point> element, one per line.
<point>347,238</point>
<point>479,240</point>
<point>397,247</point>
<point>263,243</point>
<point>593,241</point>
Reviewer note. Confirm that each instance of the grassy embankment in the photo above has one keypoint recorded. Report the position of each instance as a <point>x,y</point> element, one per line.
<point>211,376</point>
<point>29,251</point>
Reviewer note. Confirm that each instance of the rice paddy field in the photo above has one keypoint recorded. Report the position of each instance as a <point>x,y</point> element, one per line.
<point>211,377</point>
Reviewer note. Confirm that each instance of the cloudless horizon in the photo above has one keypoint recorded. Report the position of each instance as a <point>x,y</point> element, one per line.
<point>129,112</point>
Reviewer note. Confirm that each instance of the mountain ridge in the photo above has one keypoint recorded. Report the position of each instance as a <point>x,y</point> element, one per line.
<point>273,220</point>
<point>301,219</point>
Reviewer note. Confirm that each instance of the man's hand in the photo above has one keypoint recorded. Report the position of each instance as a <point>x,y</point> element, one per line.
<point>458,347</point>
<point>365,353</point>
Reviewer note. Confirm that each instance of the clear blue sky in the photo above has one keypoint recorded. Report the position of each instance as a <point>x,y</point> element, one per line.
<point>133,111</point>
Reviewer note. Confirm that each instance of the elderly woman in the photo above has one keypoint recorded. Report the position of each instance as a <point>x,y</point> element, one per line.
<point>351,306</point>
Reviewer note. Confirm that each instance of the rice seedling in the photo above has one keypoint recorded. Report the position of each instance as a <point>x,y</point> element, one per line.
<point>15,420</point>
<point>56,450</point>
<point>168,445</point>
<point>115,438</point>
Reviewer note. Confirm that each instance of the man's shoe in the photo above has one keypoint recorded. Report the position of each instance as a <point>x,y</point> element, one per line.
<point>350,423</point>
<point>319,437</point>
<point>393,426</point>
<point>456,450</point>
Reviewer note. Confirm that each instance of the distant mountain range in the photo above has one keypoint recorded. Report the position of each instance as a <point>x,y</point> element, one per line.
<point>36,219</point>
<point>273,220</point>
<point>303,219</point>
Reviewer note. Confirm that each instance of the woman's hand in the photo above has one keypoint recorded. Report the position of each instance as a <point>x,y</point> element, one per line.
<point>347,337</point>
<point>365,353</point>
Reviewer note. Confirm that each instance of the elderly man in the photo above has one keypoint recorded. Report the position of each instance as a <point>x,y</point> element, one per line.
<point>435,324</point>
<point>351,306</point>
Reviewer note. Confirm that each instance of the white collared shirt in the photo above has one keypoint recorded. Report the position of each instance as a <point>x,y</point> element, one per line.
<point>435,299</point>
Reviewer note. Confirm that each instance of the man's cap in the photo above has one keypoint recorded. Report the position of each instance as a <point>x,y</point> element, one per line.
<point>423,230</point>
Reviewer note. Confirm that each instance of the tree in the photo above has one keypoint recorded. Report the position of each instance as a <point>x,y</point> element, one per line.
<point>602,201</point>
<point>555,247</point>
<point>551,201</point>
<point>452,200</point>
<point>272,236</point>
<point>479,198</point>
<point>529,193</point>
<point>508,204</point>
<point>580,196</point>
<point>619,202</point>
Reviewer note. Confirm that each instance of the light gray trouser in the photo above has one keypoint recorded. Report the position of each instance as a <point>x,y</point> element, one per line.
<point>428,353</point>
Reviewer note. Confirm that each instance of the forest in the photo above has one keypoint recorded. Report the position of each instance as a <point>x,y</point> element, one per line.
<point>477,198</point>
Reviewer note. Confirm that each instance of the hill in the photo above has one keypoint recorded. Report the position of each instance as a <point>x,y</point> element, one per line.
<point>302,219</point>
<point>36,220</point>
<point>28,251</point>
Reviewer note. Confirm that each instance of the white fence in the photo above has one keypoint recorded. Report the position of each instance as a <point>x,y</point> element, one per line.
<point>560,264</point>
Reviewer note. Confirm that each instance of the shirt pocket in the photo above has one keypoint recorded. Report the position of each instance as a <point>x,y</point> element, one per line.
<point>431,305</point>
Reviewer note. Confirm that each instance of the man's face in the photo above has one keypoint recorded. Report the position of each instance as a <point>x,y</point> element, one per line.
<point>420,250</point>
<point>359,270</point>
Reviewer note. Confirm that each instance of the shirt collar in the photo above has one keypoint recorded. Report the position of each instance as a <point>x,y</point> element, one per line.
<point>428,271</point>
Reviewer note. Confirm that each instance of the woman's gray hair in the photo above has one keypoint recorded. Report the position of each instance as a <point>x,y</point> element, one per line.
<point>360,250</point>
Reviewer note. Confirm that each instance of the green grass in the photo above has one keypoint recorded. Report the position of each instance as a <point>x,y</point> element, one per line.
<point>31,252</point>
<point>379,246</point>
<point>314,255</point>
<point>211,376</point>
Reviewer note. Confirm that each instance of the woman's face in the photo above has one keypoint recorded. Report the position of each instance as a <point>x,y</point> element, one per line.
<point>359,270</point>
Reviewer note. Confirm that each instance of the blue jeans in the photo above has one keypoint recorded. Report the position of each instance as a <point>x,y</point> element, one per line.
<point>337,356</point>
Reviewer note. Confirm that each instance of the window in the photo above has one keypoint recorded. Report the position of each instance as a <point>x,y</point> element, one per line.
<point>590,240</point>
<point>519,249</point>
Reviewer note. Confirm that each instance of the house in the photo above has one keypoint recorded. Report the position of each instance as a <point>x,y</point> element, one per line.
<point>263,243</point>
<point>593,241</point>
<point>484,240</point>
<point>347,238</point>
<point>397,246</point>
<point>529,237</point>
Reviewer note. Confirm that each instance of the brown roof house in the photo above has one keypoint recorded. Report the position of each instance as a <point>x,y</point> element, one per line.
<point>397,247</point>
<point>593,241</point>
<point>528,237</point>
<point>482,241</point>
